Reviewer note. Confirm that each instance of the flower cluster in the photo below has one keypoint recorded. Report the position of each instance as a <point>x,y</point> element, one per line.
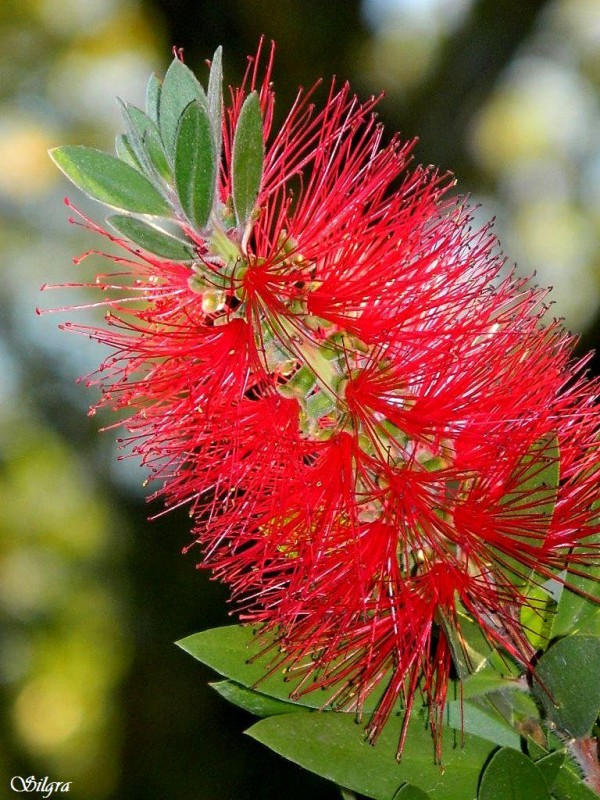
<point>377,435</point>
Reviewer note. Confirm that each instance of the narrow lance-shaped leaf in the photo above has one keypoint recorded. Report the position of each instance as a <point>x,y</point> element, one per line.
<point>195,164</point>
<point>134,141</point>
<point>262,705</point>
<point>152,238</point>
<point>145,140</point>
<point>215,99</point>
<point>247,161</point>
<point>180,87</point>
<point>153,89</point>
<point>109,180</point>
<point>125,151</point>
<point>536,616</point>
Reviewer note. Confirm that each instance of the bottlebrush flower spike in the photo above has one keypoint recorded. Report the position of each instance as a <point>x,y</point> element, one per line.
<point>376,433</point>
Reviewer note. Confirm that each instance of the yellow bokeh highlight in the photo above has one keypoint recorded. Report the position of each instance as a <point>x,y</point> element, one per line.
<point>31,579</point>
<point>555,233</point>
<point>65,624</point>
<point>26,169</point>
<point>47,712</point>
<point>71,17</point>
<point>401,60</point>
<point>580,19</point>
<point>540,112</point>
<point>47,497</point>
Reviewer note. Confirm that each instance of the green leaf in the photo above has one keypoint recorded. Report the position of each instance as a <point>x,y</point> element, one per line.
<point>550,766</point>
<point>487,681</point>
<point>575,613</point>
<point>153,89</point>
<point>152,238</point>
<point>510,775</point>
<point>233,651</point>
<point>566,683</point>
<point>195,164</point>
<point>333,746</point>
<point>145,140</point>
<point>471,651</point>
<point>579,613</point>
<point>109,180</point>
<point>537,616</point>
<point>179,89</point>
<point>215,99</point>
<point>256,703</point>
<point>483,722</point>
<point>247,160</point>
<point>534,491</point>
<point>523,712</point>
<point>537,479</point>
<point>569,786</point>
<point>500,710</point>
<point>125,152</point>
<point>410,792</point>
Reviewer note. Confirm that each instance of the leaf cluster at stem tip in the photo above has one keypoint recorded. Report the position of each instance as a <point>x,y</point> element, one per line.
<point>165,177</point>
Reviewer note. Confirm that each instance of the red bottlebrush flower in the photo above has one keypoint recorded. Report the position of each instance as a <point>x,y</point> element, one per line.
<point>375,430</point>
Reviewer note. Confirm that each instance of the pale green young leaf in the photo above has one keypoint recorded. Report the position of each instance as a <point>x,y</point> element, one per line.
<point>537,615</point>
<point>153,89</point>
<point>125,152</point>
<point>488,680</point>
<point>215,99</point>
<point>109,180</point>
<point>247,161</point>
<point>536,481</point>
<point>152,238</point>
<point>471,650</point>
<point>144,138</point>
<point>180,87</point>
<point>195,164</point>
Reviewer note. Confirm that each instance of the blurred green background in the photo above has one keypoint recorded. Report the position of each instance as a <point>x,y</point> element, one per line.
<point>505,93</point>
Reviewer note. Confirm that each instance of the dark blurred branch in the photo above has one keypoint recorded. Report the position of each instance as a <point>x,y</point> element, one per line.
<point>318,39</point>
<point>314,38</point>
<point>590,340</point>
<point>468,68</point>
